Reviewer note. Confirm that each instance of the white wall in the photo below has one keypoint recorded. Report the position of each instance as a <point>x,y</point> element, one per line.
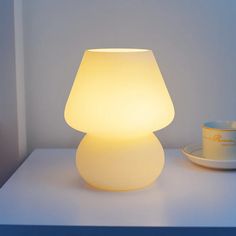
<point>12,115</point>
<point>20,78</point>
<point>194,42</point>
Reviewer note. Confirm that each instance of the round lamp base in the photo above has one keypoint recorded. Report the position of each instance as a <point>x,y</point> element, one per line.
<point>120,164</point>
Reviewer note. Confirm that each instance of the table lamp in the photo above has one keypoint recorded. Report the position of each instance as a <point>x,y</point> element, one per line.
<point>119,99</point>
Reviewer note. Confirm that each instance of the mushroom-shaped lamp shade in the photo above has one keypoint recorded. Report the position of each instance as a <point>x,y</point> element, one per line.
<point>119,98</point>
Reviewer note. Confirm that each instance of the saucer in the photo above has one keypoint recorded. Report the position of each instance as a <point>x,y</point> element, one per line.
<point>194,153</point>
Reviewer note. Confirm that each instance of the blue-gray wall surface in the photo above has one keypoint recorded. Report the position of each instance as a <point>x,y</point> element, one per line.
<point>42,43</point>
<point>9,156</point>
<point>193,41</point>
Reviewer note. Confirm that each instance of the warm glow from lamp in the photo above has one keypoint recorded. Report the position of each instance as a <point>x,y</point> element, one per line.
<point>119,98</point>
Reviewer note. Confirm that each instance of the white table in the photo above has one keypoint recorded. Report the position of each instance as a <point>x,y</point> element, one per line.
<point>47,190</point>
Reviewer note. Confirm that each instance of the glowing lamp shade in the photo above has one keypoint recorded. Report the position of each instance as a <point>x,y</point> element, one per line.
<point>119,98</point>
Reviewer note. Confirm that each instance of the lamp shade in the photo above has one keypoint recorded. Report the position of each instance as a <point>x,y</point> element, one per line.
<point>119,92</point>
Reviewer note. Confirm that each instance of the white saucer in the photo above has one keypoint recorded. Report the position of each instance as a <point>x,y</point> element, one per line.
<point>194,153</point>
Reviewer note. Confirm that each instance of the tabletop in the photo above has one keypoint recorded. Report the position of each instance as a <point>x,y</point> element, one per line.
<point>47,190</point>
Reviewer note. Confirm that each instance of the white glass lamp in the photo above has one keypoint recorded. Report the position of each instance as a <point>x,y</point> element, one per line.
<point>119,99</point>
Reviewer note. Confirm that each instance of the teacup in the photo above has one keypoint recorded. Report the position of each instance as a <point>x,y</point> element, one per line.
<point>219,140</point>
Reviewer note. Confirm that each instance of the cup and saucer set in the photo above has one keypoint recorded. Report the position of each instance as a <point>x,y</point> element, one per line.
<point>218,148</point>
